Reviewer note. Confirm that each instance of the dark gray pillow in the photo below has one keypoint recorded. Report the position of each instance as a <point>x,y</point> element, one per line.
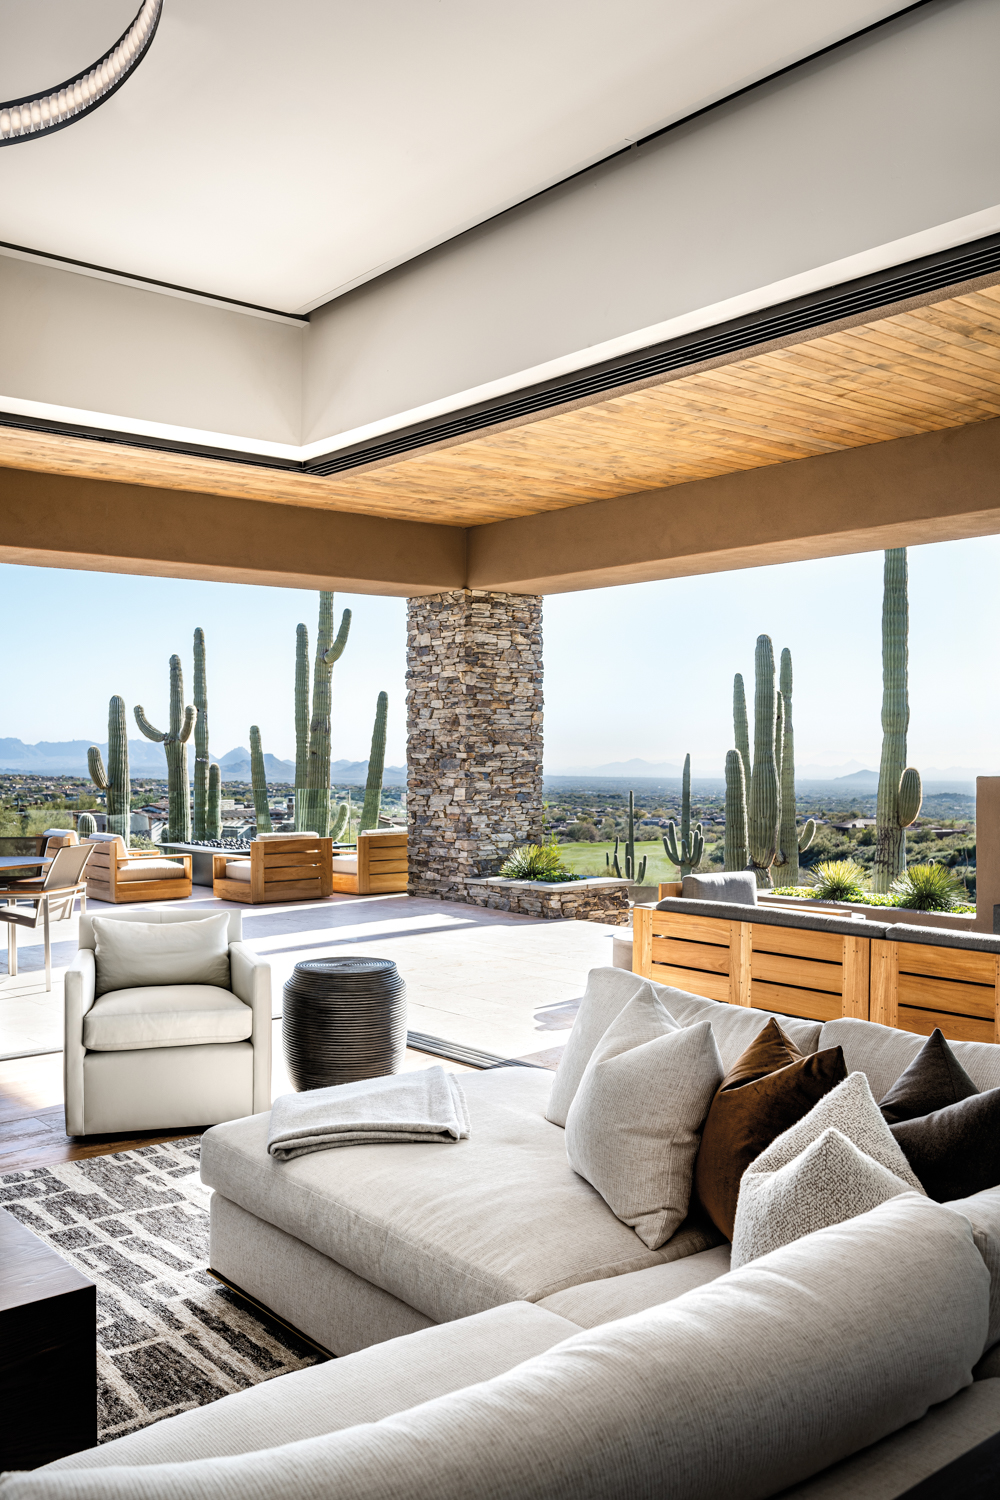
<point>955,1152</point>
<point>934,1079</point>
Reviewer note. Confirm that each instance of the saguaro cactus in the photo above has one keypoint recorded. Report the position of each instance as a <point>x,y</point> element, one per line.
<point>790,840</point>
<point>258,780</point>
<point>735,846</point>
<point>201,756</point>
<point>316,802</point>
<point>637,876</point>
<point>174,741</point>
<point>687,853</point>
<point>899,789</point>
<point>115,781</point>
<point>213,803</point>
<point>764,797</point>
<point>376,766</point>
<point>301,722</point>
<point>86,824</point>
<point>741,728</point>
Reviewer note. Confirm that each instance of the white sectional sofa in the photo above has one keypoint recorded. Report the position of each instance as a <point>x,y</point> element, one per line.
<point>503,1335</point>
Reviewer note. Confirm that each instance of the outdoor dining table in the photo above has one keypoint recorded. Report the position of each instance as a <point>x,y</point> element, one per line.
<point>22,861</point>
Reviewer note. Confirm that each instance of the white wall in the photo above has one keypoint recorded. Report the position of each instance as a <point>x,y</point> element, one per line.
<point>880,139</point>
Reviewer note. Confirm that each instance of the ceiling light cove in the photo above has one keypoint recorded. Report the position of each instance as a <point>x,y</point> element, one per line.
<point>25,119</point>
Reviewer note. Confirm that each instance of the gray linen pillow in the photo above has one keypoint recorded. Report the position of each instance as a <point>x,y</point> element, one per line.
<point>634,1125</point>
<point>608,992</point>
<point>830,1181</point>
<point>134,955</point>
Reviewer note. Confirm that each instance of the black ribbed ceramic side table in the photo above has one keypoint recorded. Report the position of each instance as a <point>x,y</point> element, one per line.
<point>344,1018</point>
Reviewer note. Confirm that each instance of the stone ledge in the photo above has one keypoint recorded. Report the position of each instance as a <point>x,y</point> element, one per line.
<point>593,900</point>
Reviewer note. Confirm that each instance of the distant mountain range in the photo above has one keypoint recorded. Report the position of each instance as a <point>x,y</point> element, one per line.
<point>850,776</point>
<point>147,758</point>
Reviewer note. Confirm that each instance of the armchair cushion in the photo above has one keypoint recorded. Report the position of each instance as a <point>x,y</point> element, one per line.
<point>150,869</point>
<point>238,869</point>
<point>135,954</point>
<point>166,1015</point>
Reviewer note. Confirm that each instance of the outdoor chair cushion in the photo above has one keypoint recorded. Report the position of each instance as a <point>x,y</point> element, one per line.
<point>943,937</point>
<point>261,838</point>
<point>934,1079</point>
<point>107,838</point>
<point>633,1127</point>
<point>345,864</point>
<point>775,916</point>
<point>238,869</point>
<point>882,1053</point>
<point>165,1015</point>
<point>830,1181</point>
<point>596,1302</point>
<point>361,1387</point>
<point>130,954</point>
<point>723,1391</point>
<point>497,1218</point>
<point>738,886</point>
<point>150,869</point>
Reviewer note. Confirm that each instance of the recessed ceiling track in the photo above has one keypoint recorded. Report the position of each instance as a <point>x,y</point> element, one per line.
<point>40,114</point>
<point>897,284</point>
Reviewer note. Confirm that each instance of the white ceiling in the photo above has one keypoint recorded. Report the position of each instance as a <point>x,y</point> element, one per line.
<point>279,154</point>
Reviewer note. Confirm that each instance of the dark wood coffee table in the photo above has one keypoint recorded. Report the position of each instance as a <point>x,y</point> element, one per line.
<point>48,1352</point>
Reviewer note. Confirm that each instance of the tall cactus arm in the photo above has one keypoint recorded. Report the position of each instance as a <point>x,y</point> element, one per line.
<point>741,725</point>
<point>670,848</point>
<point>146,727</point>
<point>640,876</point>
<point>190,719</point>
<point>911,795</point>
<point>697,846</point>
<point>338,822</point>
<point>95,765</point>
<point>376,766</point>
<point>736,813</point>
<point>336,651</point>
<point>807,835</point>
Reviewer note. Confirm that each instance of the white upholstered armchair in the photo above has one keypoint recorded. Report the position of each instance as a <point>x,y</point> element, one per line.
<point>166,1025</point>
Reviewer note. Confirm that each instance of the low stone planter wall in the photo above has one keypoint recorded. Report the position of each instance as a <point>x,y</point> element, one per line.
<point>597,900</point>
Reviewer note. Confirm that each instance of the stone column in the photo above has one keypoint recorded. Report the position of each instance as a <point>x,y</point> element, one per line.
<point>474,726</point>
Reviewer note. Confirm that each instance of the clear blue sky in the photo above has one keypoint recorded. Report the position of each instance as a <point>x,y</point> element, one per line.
<point>644,670</point>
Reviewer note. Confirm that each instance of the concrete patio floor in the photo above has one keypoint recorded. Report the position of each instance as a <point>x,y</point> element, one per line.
<point>505,984</point>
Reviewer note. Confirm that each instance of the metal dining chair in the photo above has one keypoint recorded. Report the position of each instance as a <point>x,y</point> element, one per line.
<point>51,899</point>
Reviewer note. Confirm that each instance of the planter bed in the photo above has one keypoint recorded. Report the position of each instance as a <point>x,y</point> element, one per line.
<point>953,921</point>
<point>596,900</point>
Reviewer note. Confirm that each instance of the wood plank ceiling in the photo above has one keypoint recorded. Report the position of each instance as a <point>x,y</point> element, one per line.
<point>918,370</point>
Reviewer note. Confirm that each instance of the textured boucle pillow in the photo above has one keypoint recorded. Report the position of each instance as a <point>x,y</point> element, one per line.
<point>828,1182</point>
<point>634,1124</point>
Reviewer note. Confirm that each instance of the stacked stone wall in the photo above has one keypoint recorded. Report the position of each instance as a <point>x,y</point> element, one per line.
<point>584,901</point>
<point>474,735</point>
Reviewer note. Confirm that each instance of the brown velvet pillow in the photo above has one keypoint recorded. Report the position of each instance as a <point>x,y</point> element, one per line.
<point>934,1079</point>
<point>955,1151</point>
<point>767,1091</point>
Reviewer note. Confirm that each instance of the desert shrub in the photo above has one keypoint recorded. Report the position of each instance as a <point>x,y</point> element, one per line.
<point>840,880</point>
<point>535,862</point>
<point>928,888</point>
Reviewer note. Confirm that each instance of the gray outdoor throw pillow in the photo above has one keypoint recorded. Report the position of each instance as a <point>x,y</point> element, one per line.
<point>830,1181</point>
<point>133,955</point>
<point>955,1151</point>
<point>608,991</point>
<point>934,1079</point>
<point>634,1126</point>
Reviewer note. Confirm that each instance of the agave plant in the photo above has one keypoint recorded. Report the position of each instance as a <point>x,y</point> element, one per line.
<point>840,880</point>
<point>928,888</point>
<point>535,862</point>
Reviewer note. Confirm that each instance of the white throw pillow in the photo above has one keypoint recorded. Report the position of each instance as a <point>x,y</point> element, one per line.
<point>851,1109</point>
<point>132,955</point>
<point>634,1126</point>
<point>608,992</point>
<point>830,1181</point>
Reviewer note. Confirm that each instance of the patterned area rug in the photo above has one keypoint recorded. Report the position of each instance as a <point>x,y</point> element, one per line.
<point>169,1337</point>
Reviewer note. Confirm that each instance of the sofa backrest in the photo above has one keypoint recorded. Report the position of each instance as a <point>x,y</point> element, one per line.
<point>736,1026</point>
<point>882,1053</point>
<point>734,886</point>
<point>159,915</point>
<point>757,1381</point>
<point>774,916</point>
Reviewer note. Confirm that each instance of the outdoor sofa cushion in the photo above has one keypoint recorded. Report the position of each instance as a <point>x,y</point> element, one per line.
<point>882,1053</point>
<point>596,1302</point>
<point>130,954</point>
<point>775,916</point>
<point>345,864</point>
<point>633,1127</point>
<point>738,886</point>
<point>238,869</point>
<point>150,869</point>
<point>165,1015</point>
<point>943,937</point>
<point>497,1218</point>
<point>723,1391</point>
